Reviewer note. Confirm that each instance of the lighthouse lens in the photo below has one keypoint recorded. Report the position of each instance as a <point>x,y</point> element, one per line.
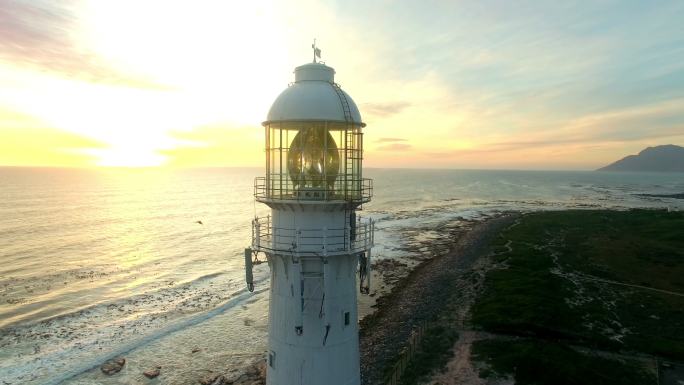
<point>313,160</point>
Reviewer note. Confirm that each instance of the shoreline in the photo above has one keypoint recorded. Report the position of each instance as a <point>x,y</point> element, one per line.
<point>406,291</point>
<point>418,297</point>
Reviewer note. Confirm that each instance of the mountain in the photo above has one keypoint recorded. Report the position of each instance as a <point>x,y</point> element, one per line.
<point>667,158</point>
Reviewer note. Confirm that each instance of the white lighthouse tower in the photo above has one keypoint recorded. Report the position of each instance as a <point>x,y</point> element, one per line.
<point>313,240</point>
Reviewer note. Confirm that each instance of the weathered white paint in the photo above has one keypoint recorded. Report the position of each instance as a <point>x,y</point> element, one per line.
<point>310,357</point>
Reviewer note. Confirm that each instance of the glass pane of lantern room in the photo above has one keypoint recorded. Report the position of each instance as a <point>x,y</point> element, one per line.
<point>337,167</point>
<point>313,159</point>
<point>275,159</point>
<point>337,131</point>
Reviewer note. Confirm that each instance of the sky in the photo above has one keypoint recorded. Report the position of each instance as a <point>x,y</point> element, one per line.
<point>441,84</point>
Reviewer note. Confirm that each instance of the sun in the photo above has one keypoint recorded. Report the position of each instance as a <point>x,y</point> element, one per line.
<point>177,67</point>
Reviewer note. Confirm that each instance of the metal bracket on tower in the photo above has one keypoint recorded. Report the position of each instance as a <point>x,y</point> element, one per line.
<point>327,289</point>
<point>293,249</point>
<point>326,273</point>
<point>299,326</point>
<point>364,272</point>
<point>249,277</point>
<point>368,270</point>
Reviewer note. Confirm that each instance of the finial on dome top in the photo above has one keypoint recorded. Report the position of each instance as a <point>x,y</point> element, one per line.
<point>316,51</point>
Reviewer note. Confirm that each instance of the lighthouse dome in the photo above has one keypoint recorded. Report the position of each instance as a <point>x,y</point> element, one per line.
<point>314,96</point>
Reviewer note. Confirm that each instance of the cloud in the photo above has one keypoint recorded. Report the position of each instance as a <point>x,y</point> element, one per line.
<point>27,141</point>
<point>628,126</point>
<point>41,35</point>
<point>216,145</point>
<point>384,109</point>
<point>390,140</point>
<point>395,147</point>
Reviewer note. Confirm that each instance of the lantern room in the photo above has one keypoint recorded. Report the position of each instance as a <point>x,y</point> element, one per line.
<point>314,143</point>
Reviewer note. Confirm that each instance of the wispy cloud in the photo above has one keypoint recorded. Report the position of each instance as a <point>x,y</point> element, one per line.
<point>384,109</point>
<point>395,147</point>
<point>42,35</point>
<point>390,140</point>
<point>29,141</point>
<point>208,146</point>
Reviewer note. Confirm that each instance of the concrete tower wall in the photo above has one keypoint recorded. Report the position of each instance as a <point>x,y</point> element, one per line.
<point>313,329</point>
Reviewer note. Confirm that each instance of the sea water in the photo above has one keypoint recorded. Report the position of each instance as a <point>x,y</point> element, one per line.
<point>148,263</point>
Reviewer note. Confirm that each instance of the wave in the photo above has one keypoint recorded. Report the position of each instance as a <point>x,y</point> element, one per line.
<point>240,297</point>
<point>81,344</point>
<point>75,310</point>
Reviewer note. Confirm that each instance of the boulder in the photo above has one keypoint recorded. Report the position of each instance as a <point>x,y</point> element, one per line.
<point>152,373</point>
<point>113,366</point>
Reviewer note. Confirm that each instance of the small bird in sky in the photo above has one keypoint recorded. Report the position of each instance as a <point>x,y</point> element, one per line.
<point>200,222</point>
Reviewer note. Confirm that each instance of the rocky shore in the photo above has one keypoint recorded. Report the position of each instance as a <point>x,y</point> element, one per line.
<point>253,375</point>
<point>420,295</point>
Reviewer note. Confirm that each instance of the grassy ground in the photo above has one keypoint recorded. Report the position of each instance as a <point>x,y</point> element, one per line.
<point>537,362</point>
<point>604,280</point>
<point>434,351</point>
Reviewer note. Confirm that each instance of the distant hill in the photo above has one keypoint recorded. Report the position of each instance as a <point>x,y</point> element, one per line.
<point>667,158</point>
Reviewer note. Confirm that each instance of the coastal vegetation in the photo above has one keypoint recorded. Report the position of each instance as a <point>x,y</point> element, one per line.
<point>578,295</point>
<point>533,361</point>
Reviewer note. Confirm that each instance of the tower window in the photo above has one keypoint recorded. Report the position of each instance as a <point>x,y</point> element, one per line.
<point>346,318</point>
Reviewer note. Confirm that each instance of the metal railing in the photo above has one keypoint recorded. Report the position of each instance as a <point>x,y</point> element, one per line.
<point>282,187</point>
<point>312,242</point>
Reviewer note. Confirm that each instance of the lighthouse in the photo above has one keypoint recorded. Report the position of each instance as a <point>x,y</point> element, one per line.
<point>317,247</point>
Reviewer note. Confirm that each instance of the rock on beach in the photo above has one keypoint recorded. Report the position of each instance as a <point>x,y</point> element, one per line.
<point>113,366</point>
<point>152,373</point>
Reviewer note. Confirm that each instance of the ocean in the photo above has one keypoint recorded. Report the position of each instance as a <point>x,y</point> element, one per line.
<point>148,263</point>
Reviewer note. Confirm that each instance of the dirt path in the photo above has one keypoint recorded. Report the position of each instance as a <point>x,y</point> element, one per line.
<point>460,368</point>
<point>419,297</point>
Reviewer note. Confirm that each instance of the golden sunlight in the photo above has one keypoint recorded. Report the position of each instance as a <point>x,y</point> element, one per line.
<point>177,68</point>
<point>139,83</point>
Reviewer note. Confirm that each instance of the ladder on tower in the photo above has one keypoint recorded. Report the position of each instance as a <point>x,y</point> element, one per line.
<point>345,103</point>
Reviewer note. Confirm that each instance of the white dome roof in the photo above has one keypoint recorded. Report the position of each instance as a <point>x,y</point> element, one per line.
<point>312,97</point>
